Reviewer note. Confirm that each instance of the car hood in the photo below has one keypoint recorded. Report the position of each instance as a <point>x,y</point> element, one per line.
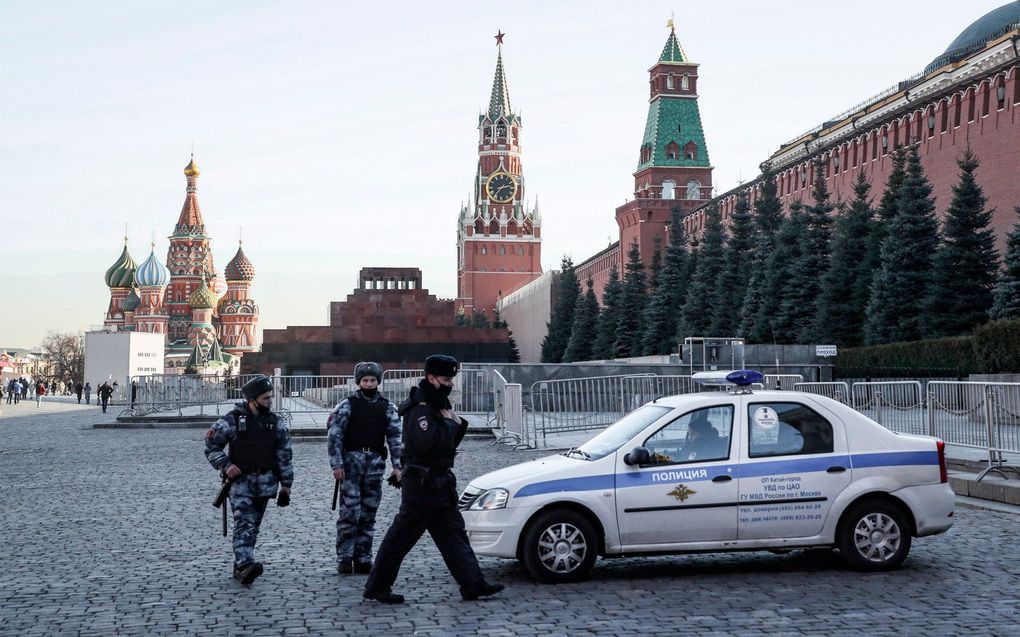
<point>548,468</point>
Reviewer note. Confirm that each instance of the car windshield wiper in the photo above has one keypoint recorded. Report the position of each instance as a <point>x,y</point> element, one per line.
<point>584,454</point>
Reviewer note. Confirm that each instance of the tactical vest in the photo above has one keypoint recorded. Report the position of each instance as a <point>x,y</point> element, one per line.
<point>367,425</point>
<point>254,445</point>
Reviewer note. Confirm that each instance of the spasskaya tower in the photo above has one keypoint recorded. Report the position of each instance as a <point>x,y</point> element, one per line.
<point>499,241</point>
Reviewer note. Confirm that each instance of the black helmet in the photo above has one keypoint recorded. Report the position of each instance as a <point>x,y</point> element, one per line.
<point>256,387</point>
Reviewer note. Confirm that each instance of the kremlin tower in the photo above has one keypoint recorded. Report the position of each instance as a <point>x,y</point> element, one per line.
<point>499,240</point>
<point>182,299</point>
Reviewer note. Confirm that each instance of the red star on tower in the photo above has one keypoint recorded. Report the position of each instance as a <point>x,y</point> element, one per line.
<point>499,37</point>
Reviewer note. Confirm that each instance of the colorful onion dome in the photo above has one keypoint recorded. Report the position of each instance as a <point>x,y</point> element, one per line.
<point>152,272</point>
<point>219,286</point>
<point>130,302</point>
<point>240,268</point>
<point>191,170</point>
<point>203,298</point>
<point>121,273</point>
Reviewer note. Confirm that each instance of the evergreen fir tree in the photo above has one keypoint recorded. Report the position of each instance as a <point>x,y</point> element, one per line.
<point>780,317</point>
<point>902,285</point>
<point>806,286</point>
<point>703,292</point>
<point>966,263</point>
<point>768,216</point>
<point>632,304</point>
<point>736,271</point>
<point>558,329</point>
<point>605,340</point>
<point>847,285</point>
<point>479,320</point>
<point>1007,292</point>
<point>888,205</point>
<point>664,305</point>
<point>585,328</point>
<point>515,352</point>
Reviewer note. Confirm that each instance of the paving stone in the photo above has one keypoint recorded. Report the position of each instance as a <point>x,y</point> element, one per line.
<point>111,532</point>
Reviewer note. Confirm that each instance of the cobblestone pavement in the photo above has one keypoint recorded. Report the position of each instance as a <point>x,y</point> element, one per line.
<point>111,532</point>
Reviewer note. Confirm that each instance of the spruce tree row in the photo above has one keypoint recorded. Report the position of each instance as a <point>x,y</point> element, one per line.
<point>845,273</point>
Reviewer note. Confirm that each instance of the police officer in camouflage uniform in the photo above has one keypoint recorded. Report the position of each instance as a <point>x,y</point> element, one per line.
<point>431,433</point>
<point>361,427</point>
<point>258,462</point>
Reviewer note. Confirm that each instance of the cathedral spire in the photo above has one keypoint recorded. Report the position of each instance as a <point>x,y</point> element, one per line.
<point>499,102</point>
<point>190,222</point>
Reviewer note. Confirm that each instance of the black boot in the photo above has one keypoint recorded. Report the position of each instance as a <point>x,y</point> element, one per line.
<point>484,589</point>
<point>246,573</point>
<point>363,568</point>
<point>344,567</point>
<point>384,597</point>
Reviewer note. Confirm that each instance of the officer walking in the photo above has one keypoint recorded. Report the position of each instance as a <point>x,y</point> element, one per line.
<point>431,433</point>
<point>259,460</point>
<point>362,426</point>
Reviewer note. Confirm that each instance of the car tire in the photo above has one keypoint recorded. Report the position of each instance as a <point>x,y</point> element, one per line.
<point>560,546</point>
<point>874,536</point>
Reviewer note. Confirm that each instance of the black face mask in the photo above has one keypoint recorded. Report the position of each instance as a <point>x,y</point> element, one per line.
<point>444,390</point>
<point>369,393</point>
<point>261,409</point>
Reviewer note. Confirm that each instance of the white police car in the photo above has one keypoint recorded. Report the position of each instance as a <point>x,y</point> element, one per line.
<point>717,471</point>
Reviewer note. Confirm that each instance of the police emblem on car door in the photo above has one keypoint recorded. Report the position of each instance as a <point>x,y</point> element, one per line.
<point>688,491</point>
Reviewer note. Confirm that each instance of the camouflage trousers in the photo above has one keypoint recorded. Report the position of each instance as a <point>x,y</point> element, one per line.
<point>361,491</point>
<point>248,511</point>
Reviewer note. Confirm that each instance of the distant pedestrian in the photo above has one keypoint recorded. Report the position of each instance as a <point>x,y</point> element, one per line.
<point>78,387</point>
<point>16,391</point>
<point>24,387</point>
<point>53,387</point>
<point>40,391</point>
<point>134,392</point>
<point>88,392</point>
<point>103,393</point>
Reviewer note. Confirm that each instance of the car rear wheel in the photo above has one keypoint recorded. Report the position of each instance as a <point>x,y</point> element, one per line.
<point>559,546</point>
<point>874,536</point>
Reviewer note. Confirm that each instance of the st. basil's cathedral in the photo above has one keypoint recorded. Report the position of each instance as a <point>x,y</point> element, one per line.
<point>209,320</point>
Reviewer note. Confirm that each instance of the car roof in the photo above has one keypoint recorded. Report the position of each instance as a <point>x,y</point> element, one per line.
<point>701,398</point>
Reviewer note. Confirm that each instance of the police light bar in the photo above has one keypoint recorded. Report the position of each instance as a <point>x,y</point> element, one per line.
<point>740,378</point>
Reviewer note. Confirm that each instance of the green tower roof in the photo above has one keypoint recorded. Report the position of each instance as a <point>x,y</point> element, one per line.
<point>672,52</point>
<point>674,120</point>
<point>499,101</point>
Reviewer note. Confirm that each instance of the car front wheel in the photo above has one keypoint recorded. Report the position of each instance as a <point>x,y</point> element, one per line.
<point>874,536</point>
<point>559,546</point>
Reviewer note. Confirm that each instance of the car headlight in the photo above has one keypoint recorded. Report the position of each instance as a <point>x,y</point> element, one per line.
<point>491,499</point>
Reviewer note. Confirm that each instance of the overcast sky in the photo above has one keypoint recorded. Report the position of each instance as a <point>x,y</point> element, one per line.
<point>343,135</point>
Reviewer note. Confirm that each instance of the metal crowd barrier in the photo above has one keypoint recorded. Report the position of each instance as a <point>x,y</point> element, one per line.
<point>977,415</point>
<point>509,412</point>
<point>896,405</point>
<point>472,393</point>
<point>837,391</point>
<point>782,381</point>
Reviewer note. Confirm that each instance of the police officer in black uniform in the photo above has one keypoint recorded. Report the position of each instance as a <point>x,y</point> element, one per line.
<point>259,465</point>
<point>431,433</point>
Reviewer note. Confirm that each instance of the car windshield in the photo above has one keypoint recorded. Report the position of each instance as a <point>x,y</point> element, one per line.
<point>621,431</point>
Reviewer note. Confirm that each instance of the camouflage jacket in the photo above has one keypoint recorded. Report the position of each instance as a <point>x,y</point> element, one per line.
<point>340,420</point>
<point>224,431</point>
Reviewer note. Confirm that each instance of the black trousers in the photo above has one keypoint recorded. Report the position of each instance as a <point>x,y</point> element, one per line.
<point>428,502</point>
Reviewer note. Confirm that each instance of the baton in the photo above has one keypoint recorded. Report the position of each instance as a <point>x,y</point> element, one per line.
<point>336,492</point>
<point>221,497</point>
<point>224,521</point>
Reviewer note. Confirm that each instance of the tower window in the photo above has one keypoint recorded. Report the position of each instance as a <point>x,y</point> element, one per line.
<point>685,82</point>
<point>669,81</point>
<point>669,189</point>
<point>672,150</point>
<point>502,251</point>
<point>694,189</point>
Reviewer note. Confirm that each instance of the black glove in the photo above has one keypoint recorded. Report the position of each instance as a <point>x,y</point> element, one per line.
<point>393,482</point>
<point>283,498</point>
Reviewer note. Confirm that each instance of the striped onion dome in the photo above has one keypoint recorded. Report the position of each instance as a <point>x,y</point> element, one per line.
<point>130,302</point>
<point>203,298</point>
<point>240,268</point>
<point>152,272</point>
<point>121,273</point>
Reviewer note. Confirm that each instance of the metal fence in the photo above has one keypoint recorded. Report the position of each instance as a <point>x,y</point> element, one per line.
<point>982,416</point>
<point>782,381</point>
<point>837,391</point>
<point>473,391</point>
<point>509,412</point>
<point>896,405</point>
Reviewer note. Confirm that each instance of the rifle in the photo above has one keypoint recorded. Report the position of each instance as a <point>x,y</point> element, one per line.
<point>221,497</point>
<point>336,492</point>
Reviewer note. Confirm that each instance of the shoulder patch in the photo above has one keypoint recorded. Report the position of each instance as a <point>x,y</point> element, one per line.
<point>423,422</point>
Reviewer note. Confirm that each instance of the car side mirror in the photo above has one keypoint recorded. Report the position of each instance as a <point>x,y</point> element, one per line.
<point>637,456</point>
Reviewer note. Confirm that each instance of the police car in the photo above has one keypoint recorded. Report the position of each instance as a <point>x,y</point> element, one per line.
<point>717,471</point>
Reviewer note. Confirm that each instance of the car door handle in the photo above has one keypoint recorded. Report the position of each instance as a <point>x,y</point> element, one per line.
<point>722,478</point>
<point>836,469</point>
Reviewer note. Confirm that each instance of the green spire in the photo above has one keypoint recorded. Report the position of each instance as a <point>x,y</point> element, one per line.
<point>499,102</point>
<point>197,358</point>
<point>215,354</point>
<point>672,52</point>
